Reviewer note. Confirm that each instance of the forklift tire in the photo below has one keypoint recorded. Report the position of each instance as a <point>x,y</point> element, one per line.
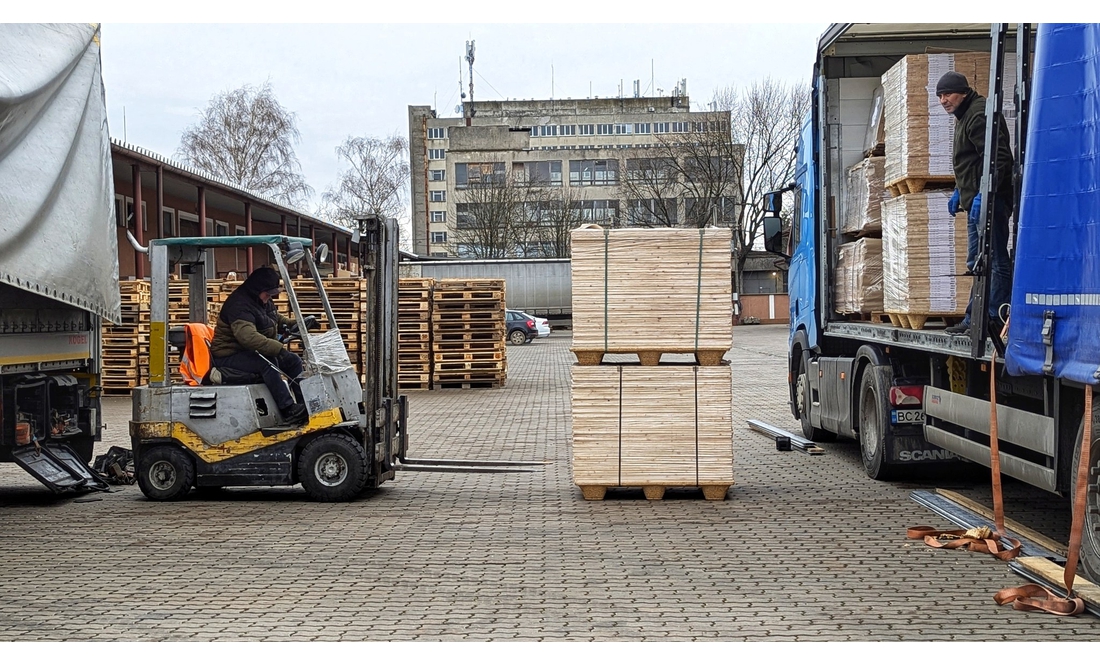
<point>333,467</point>
<point>517,337</point>
<point>803,404</point>
<point>876,440</point>
<point>1090,537</point>
<point>166,473</point>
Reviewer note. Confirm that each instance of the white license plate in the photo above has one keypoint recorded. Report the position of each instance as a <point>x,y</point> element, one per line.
<point>906,416</point>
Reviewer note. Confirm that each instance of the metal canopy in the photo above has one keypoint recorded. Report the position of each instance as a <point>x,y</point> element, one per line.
<point>229,241</point>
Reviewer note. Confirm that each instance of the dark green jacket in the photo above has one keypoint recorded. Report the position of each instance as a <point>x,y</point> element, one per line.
<point>247,324</point>
<point>969,151</point>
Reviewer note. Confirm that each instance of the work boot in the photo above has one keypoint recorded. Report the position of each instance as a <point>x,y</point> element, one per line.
<point>295,413</point>
<point>958,329</point>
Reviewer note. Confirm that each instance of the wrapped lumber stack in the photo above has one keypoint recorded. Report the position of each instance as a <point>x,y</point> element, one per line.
<point>414,334</point>
<point>858,287</point>
<point>923,259</point>
<point>865,190</point>
<point>919,133</point>
<point>126,346</point>
<point>468,328</point>
<point>648,423</point>
<point>640,290</point>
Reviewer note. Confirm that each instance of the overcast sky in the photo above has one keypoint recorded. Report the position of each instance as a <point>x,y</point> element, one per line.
<point>359,79</point>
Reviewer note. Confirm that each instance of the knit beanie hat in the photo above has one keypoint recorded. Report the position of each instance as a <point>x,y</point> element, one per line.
<point>262,279</point>
<point>952,82</point>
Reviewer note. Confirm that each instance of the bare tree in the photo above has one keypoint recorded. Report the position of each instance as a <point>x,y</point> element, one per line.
<point>765,121</point>
<point>375,182</point>
<point>650,187</point>
<point>246,137</point>
<point>487,209</point>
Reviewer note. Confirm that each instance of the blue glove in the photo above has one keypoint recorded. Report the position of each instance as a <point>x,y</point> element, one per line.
<point>976,207</point>
<point>953,204</point>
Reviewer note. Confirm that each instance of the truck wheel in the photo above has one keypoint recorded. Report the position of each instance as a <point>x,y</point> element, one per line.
<point>1090,534</point>
<point>875,437</point>
<point>166,473</point>
<point>332,467</point>
<point>803,403</point>
<point>517,337</point>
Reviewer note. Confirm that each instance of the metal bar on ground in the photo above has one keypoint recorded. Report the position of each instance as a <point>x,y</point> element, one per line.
<point>797,442</point>
<point>440,468</point>
<point>968,519</point>
<point>466,462</point>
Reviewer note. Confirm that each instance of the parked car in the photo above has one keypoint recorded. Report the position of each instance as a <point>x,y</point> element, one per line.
<point>521,327</point>
<point>543,326</point>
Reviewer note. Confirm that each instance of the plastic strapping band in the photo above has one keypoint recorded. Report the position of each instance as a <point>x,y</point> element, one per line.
<point>606,241</point>
<point>620,465</point>
<point>696,372</point>
<point>698,289</point>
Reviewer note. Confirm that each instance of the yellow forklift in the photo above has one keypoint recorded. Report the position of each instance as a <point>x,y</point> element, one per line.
<point>227,431</point>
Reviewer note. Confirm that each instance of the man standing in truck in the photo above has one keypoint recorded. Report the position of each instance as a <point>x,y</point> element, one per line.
<point>959,99</point>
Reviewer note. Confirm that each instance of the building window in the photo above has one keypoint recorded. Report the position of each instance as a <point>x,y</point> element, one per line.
<point>221,228</point>
<point>437,175</point>
<point>650,212</point>
<point>593,171</point>
<point>462,216</point>
<point>488,173</point>
<point>605,129</point>
<point>437,195</point>
<point>437,132</point>
<point>240,231</point>
<point>681,127</point>
<point>650,169</point>
<point>439,237</point>
<point>168,224</point>
<point>188,224</point>
<point>598,211</point>
<point>641,128</point>
<point>622,128</point>
<point>547,174</point>
<point>567,130</point>
<point>436,153</point>
<point>587,130</point>
<point>660,128</point>
<point>548,130</point>
<point>439,215</point>
<point>439,254</point>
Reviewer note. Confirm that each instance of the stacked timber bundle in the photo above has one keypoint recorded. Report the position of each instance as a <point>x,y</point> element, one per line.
<point>651,424</point>
<point>468,328</point>
<point>126,345</point>
<point>919,133</point>
<point>858,287</point>
<point>923,259</point>
<point>414,334</point>
<point>865,190</point>
<point>640,290</point>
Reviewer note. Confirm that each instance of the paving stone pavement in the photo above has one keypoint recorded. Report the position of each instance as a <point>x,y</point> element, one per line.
<point>804,548</point>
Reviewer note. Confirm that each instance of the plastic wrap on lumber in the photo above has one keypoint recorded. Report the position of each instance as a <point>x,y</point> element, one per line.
<point>865,192</point>
<point>858,287</point>
<point>924,255</point>
<point>651,288</point>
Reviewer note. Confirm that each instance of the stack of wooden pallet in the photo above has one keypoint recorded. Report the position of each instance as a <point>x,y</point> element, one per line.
<point>924,258</point>
<point>126,345</point>
<point>647,423</point>
<point>468,326</point>
<point>348,299</point>
<point>414,334</point>
<point>858,286</point>
<point>865,190</point>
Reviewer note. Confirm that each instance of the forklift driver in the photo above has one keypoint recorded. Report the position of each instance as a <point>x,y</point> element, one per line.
<point>245,340</point>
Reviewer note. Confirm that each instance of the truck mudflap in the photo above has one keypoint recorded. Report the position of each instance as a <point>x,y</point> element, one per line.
<point>914,449</point>
<point>59,468</point>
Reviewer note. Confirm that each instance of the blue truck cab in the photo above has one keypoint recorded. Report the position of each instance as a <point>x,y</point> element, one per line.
<point>922,397</point>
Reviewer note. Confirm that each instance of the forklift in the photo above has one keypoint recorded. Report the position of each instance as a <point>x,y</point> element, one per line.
<point>227,431</point>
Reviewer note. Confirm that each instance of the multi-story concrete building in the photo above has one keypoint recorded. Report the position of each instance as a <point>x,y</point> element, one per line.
<point>583,151</point>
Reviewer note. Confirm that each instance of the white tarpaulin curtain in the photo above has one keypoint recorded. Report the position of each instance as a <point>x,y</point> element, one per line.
<point>57,231</point>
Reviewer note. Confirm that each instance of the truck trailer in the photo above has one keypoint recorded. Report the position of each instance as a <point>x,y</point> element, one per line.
<point>919,397</point>
<point>58,250</point>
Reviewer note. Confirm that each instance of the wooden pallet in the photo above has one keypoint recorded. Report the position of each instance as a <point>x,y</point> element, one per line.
<point>913,321</point>
<point>456,284</point>
<point>479,355</point>
<point>468,384</point>
<point>915,185</point>
<point>870,317</point>
<point>486,316</point>
<point>653,492</point>
<point>707,357</point>
<point>450,296</point>
<point>478,345</point>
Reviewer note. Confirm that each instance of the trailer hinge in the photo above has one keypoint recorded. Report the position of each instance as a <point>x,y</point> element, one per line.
<point>1048,341</point>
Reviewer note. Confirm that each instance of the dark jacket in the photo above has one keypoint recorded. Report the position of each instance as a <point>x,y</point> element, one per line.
<point>247,324</point>
<point>969,151</point>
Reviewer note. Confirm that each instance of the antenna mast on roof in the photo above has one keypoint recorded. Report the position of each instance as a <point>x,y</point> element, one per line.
<point>470,59</point>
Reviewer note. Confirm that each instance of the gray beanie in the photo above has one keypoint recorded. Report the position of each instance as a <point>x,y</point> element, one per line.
<point>952,82</point>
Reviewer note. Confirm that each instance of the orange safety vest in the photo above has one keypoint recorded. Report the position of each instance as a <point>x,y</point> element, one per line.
<point>196,353</point>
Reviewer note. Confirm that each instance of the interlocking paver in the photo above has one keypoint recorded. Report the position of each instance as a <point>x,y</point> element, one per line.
<point>804,548</point>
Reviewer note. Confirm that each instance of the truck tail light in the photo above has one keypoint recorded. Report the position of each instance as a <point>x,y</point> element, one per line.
<point>906,395</point>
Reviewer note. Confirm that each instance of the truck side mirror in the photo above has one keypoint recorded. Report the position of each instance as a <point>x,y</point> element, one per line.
<point>773,235</point>
<point>773,203</point>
